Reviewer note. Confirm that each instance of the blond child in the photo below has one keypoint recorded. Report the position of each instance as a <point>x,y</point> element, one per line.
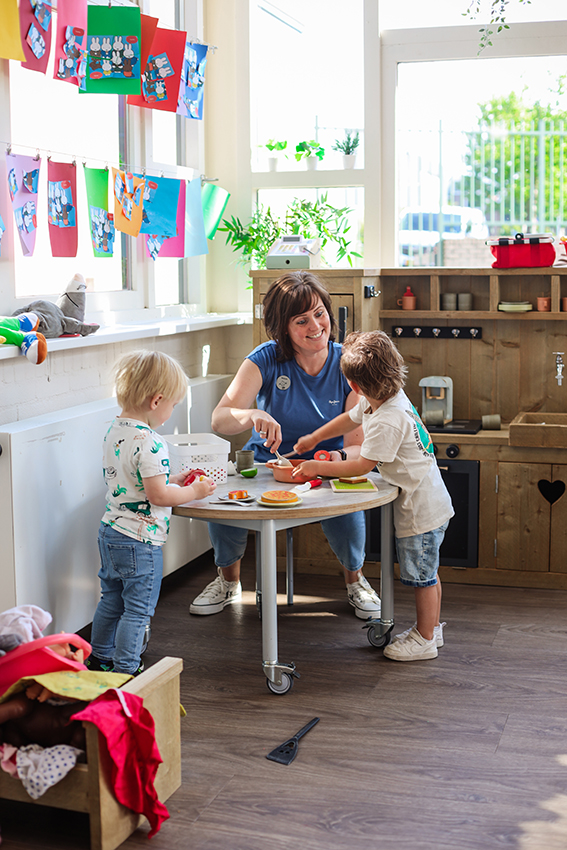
<point>397,442</point>
<point>140,495</point>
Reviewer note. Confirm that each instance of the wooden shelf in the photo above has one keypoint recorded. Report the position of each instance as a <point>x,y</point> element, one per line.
<point>474,315</point>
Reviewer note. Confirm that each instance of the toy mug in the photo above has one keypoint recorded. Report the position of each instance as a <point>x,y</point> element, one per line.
<point>408,301</point>
<point>544,304</point>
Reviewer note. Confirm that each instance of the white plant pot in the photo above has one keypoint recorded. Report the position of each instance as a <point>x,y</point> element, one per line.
<point>272,163</point>
<point>348,160</point>
<point>311,162</point>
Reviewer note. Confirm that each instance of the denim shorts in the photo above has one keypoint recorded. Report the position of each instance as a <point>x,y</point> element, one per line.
<point>418,557</point>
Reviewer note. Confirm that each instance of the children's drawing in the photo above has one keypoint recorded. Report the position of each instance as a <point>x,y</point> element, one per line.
<point>36,41</point>
<point>26,217</point>
<point>119,187</point>
<point>128,205</point>
<point>42,11</point>
<point>191,89</point>
<point>154,243</point>
<point>160,199</point>
<point>113,56</point>
<point>30,180</point>
<point>2,229</point>
<point>12,183</point>
<point>61,210</point>
<point>153,78</point>
<point>102,230</point>
<point>73,65</point>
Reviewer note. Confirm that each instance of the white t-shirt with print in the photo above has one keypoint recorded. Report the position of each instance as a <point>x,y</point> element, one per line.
<point>132,451</point>
<point>396,438</point>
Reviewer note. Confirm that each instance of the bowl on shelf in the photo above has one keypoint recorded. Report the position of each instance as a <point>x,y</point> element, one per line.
<point>283,473</point>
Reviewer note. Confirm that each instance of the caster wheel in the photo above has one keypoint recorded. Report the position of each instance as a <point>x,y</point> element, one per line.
<point>286,685</point>
<point>374,639</point>
<point>147,636</point>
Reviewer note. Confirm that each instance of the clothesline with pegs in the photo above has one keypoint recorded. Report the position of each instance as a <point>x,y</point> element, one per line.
<point>162,172</point>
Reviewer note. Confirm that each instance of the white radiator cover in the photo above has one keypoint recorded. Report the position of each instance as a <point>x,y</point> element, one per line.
<point>52,497</point>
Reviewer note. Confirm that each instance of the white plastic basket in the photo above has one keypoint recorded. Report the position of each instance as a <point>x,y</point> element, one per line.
<point>203,451</point>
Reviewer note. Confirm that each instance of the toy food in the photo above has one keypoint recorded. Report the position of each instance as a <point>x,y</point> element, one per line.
<point>238,494</point>
<point>322,455</point>
<point>193,475</point>
<point>354,479</point>
<point>280,496</point>
<point>249,473</point>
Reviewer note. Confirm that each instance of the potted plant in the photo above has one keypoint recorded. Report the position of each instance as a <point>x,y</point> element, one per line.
<point>274,148</point>
<point>312,220</point>
<point>347,147</point>
<point>311,152</point>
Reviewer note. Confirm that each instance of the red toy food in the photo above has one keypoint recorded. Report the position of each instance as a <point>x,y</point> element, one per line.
<point>322,455</point>
<point>193,475</point>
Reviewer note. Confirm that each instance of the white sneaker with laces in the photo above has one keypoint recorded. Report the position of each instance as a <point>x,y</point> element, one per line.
<point>437,634</point>
<point>413,647</point>
<point>216,596</point>
<point>364,599</point>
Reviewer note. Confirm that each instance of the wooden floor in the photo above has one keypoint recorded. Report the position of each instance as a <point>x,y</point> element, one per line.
<point>468,751</point>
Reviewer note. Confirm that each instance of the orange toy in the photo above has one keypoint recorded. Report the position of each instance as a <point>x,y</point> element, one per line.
<point>279,496</point>
<point>238,494</point>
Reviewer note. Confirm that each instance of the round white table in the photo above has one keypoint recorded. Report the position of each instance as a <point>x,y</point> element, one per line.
<point>319,503</point>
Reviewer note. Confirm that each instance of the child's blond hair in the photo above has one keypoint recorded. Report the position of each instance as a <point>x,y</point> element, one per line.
<point>141,375</point>
<point>371,360</point>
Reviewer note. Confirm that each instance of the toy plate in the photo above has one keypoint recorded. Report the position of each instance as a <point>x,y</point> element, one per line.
<point>280,504</point>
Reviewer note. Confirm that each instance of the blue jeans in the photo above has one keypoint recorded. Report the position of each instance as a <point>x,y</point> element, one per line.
<point>130,580</point>
<point>346,535</point>
<point>418,557</point>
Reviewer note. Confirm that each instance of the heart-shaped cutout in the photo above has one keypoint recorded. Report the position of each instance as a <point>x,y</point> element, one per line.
<point>551,490</point>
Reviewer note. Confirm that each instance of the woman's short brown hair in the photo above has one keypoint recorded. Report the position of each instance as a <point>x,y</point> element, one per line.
<point>144,374</point>
<point>371,360</point>
<point>288,296</point>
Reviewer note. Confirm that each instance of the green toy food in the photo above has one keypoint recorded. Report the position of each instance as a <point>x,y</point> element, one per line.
<point>249,473</point>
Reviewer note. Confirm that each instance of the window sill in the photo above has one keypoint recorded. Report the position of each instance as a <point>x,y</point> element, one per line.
<point>142,330</point>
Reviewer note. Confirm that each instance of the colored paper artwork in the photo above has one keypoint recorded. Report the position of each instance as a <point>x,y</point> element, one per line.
<point>214,199</point>
<point>101,221</point>
<point>35,32</point>
<point>2,229</point>
<point>24,200</point>
<point>195,237</point>
<point>113,50</point>
<point>154,244</point>
<point>161,196</point>
<point>161,76</point>
<point>191,89</point>
<point>62,208</point>
<point>70,41</point>
<point>148,26</point>
<point>10,42</point>
<point>175,245</point>
<point>128,201</point>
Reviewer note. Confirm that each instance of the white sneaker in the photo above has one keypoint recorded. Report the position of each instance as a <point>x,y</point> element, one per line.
<point>216,596</point>
<point>413,647</point>
<point>437,634</point>
<point>364,599</point>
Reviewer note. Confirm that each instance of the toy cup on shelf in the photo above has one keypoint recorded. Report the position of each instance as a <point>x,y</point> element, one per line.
<point>449,301</point>
<point>408,301</point>
<point>464,301</point>
<point>544,304</point>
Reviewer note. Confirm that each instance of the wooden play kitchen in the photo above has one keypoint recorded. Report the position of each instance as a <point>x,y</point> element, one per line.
<point>507,369</point>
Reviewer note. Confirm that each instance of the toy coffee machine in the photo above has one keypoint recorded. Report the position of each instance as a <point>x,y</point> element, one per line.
<point>437,408</point>
<point>294,252</point>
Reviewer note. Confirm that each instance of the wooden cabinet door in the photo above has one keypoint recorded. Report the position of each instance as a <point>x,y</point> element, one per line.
<point>558,494</point>
<point>524,517</point>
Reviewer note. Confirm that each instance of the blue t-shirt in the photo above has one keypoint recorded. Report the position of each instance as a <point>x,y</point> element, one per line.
<point>298,401</point>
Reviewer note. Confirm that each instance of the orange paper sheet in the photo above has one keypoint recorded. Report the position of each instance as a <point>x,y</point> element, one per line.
<point>134,200</point>
<point>10,42</point>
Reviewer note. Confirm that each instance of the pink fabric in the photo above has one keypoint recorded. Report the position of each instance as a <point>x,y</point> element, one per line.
<point>133,752</point>
<point>8,755</point>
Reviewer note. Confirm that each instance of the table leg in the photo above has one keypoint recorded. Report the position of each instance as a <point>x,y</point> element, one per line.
<point>379,630</point>
<point>279,675</point>
<point>289,564</point>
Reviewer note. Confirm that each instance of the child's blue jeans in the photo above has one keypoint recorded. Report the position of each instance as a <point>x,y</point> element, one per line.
<point>130,580</point>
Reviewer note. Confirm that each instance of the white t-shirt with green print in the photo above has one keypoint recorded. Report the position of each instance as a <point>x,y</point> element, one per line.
<point>132,451</point>
<point>396,438</point>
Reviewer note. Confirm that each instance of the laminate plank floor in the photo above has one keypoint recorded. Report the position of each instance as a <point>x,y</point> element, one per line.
<point>464,752</point>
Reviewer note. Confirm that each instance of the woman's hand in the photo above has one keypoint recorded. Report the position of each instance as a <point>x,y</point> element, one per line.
<point>268,429</point>
<point>305,444</point>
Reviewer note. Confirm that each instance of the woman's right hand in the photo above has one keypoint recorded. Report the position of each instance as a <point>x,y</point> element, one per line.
<point>305,444</point>
<point>268,429</point>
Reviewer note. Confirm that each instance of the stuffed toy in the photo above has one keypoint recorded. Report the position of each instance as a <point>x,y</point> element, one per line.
<point>22,331</point>
<point>66,316</point>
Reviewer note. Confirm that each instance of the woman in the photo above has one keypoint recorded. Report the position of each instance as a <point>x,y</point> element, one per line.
<point>297,384</point>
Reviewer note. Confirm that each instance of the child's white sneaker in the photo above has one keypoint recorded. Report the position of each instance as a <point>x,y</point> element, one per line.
<point>412,647</point>
<point>437,634</point>
<point>364,599</point>
<point>216,596</point>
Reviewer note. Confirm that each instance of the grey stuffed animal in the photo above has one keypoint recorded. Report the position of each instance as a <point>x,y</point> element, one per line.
<point>66,316</point>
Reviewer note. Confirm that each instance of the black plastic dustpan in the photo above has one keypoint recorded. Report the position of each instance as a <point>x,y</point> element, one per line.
<point>286,752</point>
